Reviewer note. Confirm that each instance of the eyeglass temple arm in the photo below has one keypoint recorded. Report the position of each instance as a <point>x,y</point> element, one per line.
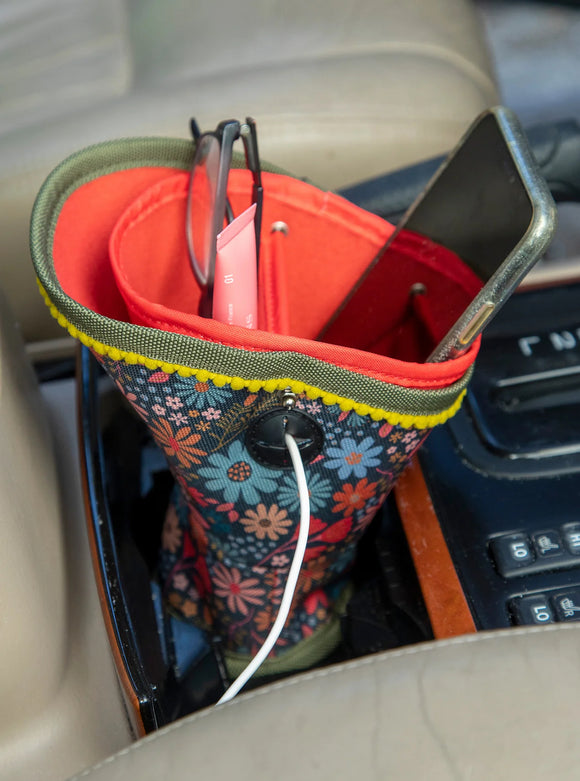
<point>250,138</point>
<point>194,129</point>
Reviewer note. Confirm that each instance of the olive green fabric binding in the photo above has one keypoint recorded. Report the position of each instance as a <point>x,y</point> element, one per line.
<point>309,652</point>
<point>410,407</point>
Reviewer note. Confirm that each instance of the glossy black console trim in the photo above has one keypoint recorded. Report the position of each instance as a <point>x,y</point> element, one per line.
<point>109,574</point>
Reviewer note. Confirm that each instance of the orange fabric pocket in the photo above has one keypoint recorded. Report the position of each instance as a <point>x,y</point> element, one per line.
<point>128,260</point>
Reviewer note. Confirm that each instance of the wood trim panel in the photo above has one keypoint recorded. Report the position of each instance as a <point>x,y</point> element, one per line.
<point>444,598</point>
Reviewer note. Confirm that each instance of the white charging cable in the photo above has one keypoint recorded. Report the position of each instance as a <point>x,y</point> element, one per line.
<point>293,573</point>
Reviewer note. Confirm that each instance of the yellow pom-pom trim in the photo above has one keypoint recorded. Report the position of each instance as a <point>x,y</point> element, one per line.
<point>253,385</point>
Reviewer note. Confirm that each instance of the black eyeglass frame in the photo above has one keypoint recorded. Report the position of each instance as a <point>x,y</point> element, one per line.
<point>226,134</point>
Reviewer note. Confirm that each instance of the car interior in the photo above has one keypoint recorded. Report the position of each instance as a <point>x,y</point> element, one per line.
<point>445,669</point>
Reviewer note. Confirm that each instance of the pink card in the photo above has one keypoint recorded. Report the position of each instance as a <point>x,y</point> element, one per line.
<point>235,292</point>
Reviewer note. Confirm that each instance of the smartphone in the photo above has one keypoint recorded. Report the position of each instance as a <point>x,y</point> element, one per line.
<point>489,205</point>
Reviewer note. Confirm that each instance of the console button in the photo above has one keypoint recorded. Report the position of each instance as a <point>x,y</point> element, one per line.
<point>567,605</point>
<point>512,552</point>
<point>534,609</point>
<point>571,535</point>
<point>547,544</point>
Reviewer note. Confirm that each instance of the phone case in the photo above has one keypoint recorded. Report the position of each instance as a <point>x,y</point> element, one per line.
<point>108,244</point>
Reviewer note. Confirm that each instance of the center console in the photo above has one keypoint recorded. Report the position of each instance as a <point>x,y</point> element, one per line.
<point>504,474</point>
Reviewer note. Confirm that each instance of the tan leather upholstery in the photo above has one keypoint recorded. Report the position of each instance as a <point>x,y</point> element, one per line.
<point>32,551</point>
<point>341,91</point>
<point>501,706</point>
<point>60,707</point>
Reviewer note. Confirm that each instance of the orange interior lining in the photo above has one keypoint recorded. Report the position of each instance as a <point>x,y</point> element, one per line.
<point>81,239</point>
<point>146,277</point>
<point>326,251</point>
<point>273,301</point>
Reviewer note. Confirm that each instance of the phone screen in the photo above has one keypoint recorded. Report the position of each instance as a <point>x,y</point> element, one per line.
<point>478,206</point>
<point>477,209</point>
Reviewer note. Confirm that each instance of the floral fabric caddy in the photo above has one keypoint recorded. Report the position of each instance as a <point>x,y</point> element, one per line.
<point>108,245</point>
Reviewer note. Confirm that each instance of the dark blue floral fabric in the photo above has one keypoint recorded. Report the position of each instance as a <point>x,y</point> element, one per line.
<point>230,532</point>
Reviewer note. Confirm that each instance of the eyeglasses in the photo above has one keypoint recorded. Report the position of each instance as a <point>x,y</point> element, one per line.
<point>207,202</point>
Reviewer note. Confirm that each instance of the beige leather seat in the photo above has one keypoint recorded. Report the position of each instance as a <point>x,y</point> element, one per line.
<point>501,706</point>
<point>60,707</point>
<point>341,90</point>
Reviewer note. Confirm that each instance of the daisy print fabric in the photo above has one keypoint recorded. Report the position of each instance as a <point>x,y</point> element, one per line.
<point>231,529</point>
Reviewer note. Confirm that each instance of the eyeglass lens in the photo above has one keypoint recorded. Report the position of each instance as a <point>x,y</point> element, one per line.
<point>201,216</point>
